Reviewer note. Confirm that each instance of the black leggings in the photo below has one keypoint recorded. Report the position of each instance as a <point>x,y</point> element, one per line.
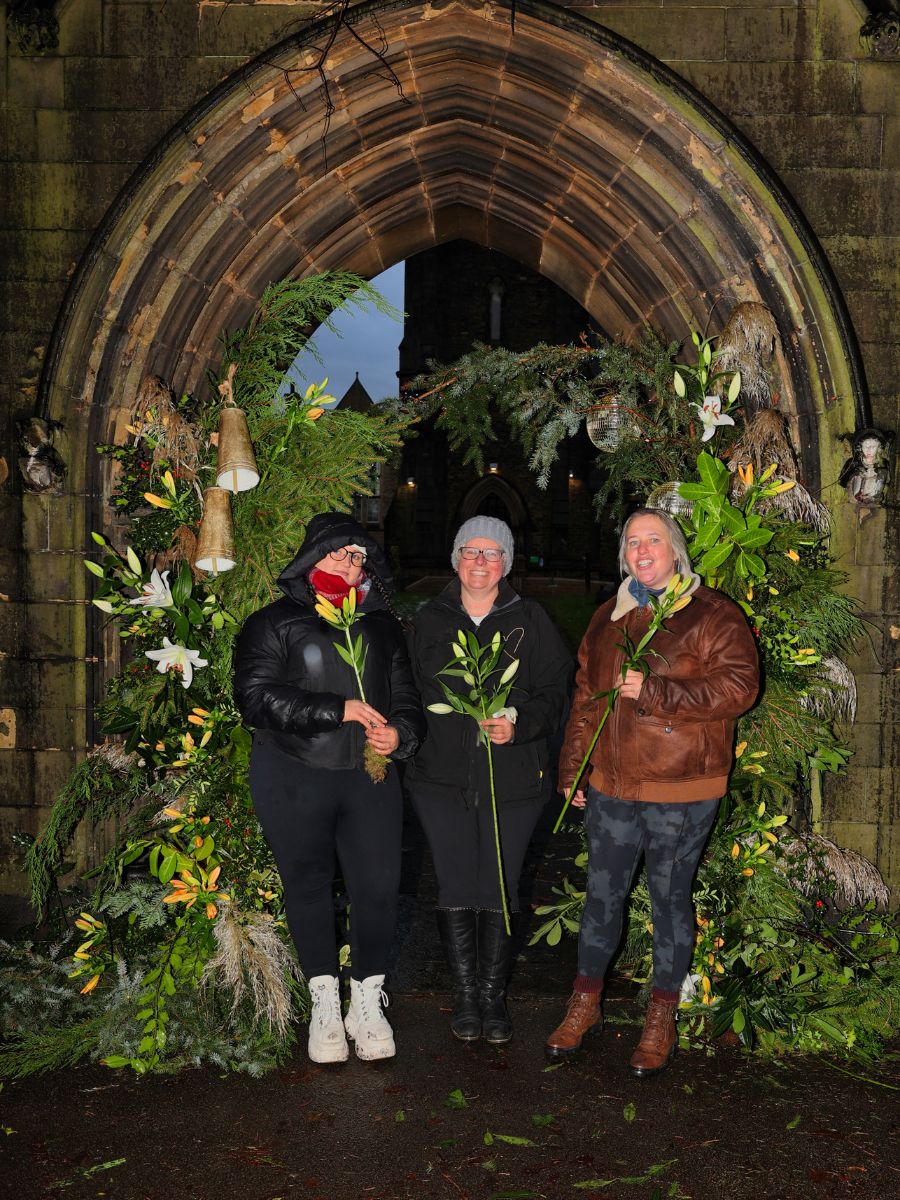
<point>308,815</point>
<point>672,837</point>
<point>464,852</point>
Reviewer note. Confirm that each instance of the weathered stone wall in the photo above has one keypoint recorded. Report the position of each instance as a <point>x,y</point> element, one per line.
<point>77,120</point>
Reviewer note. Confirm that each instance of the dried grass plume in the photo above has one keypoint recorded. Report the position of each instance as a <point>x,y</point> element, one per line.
<point>176,441</point>
<point>253,960</point>
<point>747,344</point>
<point>856,880</point>
<point>765,440</point>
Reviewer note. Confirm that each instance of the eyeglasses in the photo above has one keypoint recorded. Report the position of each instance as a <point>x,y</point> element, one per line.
<point>470,553</point>
<point>355,556</point>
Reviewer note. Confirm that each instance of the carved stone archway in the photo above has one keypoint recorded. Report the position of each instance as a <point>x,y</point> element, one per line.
<point>493,485</point>
<point>555,141</point>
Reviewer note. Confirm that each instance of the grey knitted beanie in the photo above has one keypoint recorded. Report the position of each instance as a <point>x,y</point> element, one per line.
<point>485,527</point>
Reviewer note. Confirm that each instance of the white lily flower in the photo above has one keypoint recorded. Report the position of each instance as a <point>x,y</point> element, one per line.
<point>712,416</point>
<point>177,658</point>
<point>156,593</point>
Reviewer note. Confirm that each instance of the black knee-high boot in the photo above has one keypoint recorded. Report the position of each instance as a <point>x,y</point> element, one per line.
<point>494,963</point>
<point>457,929</point>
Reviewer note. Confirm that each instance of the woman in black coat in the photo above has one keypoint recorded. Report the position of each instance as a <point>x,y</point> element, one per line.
<point>448,779</point>
<point>313,798</point>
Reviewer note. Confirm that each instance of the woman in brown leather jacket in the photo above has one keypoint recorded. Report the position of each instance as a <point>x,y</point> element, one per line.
<point>657,773</point>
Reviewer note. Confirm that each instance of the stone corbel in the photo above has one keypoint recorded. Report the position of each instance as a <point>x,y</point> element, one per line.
<point>881,32</point>
<point>867,472</point>
<point>33,25</point>
<point>40,465</point>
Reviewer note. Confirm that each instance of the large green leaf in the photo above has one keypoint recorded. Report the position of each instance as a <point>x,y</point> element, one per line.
<point>747,539</point>
<point>345,654</point>
<point>693,491</point>
<point>182,586</point>
<point>708,535</point>
<point>714,473</point>
<point>715,557</point>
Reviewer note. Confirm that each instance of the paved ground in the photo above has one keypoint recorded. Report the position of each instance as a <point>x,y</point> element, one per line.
<point>449,1121</point>
<point>453,1122</point>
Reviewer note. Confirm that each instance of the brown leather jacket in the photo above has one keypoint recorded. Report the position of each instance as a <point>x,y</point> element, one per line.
<point>675,743</point>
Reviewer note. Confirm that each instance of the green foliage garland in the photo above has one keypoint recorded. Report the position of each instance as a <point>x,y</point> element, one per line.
<point>789,955</point>
<point>181,952</point>
<point>184,935</point>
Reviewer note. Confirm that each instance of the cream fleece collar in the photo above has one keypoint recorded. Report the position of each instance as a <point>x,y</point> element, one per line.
<point>625,602</point>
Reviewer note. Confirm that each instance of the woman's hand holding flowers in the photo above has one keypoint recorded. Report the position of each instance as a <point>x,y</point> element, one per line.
<point>383,738</point>
<point>499,730</point>
<point>368,717</point>
<point>631,685</point>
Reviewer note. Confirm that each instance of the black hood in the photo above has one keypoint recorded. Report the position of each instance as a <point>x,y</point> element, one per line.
<point>330,531</point>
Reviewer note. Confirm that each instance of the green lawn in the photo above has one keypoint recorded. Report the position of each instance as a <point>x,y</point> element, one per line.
<point>571,613</point>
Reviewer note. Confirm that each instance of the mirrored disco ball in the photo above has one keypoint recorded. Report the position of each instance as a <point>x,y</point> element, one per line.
<point>668,498</point>
<point>606,425</point>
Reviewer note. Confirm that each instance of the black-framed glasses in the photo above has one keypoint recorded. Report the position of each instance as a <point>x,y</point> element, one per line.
<point>356,556</point>
<point>471,553</point>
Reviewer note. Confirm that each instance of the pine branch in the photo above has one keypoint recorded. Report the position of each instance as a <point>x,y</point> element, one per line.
<point>281,327</point>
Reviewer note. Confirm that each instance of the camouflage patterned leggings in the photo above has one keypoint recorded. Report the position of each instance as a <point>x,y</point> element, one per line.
<point>672,837</point>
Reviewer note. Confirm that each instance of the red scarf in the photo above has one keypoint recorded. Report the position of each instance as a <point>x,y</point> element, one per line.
<point>336,588</point>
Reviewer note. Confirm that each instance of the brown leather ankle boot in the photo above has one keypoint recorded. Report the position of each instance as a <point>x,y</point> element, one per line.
<point>582,1017</point>
<point>658,1043</point>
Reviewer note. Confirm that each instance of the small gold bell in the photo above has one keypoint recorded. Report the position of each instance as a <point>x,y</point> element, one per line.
<point>236,463</point>
<point>215,538</point>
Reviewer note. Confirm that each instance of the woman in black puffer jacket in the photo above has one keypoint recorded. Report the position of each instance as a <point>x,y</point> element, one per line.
<point>313,798</point>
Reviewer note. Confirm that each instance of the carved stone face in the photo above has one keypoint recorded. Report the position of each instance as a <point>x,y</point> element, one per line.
<point>868,450</point>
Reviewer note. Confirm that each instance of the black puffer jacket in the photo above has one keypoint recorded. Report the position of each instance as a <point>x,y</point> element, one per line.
<point>452,760</point>
<point>290,683</point>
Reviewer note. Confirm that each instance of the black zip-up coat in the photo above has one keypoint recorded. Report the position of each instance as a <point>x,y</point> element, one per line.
<point>452,760</point>
<point>290,683</point>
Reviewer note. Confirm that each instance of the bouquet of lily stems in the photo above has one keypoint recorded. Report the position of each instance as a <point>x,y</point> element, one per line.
<point>671,601</point>
<point>354,655</point>
<point>475,664</point>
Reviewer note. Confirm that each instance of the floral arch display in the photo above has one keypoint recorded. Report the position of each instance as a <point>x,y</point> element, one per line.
<point>345,149</point>
<point>351,147</point>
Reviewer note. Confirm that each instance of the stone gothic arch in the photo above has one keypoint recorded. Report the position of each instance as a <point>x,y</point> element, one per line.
<point>493,485</point>
<point>555,141</point>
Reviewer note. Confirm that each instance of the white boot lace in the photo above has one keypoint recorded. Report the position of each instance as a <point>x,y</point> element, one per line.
<point>326,1012</point>
<point>372,999</point>
<point>366,1022</point>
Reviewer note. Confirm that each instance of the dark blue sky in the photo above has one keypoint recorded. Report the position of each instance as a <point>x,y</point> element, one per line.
<point>368,343</point>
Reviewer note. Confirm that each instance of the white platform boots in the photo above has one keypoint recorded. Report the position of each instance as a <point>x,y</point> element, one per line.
<point>365,1022</point>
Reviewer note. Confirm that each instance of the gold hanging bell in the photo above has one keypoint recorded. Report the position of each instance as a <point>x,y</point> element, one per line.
<point>215,538</point>
<point>236,463</point>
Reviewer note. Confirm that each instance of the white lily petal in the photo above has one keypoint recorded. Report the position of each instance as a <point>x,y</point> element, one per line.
<point>179,658</point>
<point>155,593</point>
